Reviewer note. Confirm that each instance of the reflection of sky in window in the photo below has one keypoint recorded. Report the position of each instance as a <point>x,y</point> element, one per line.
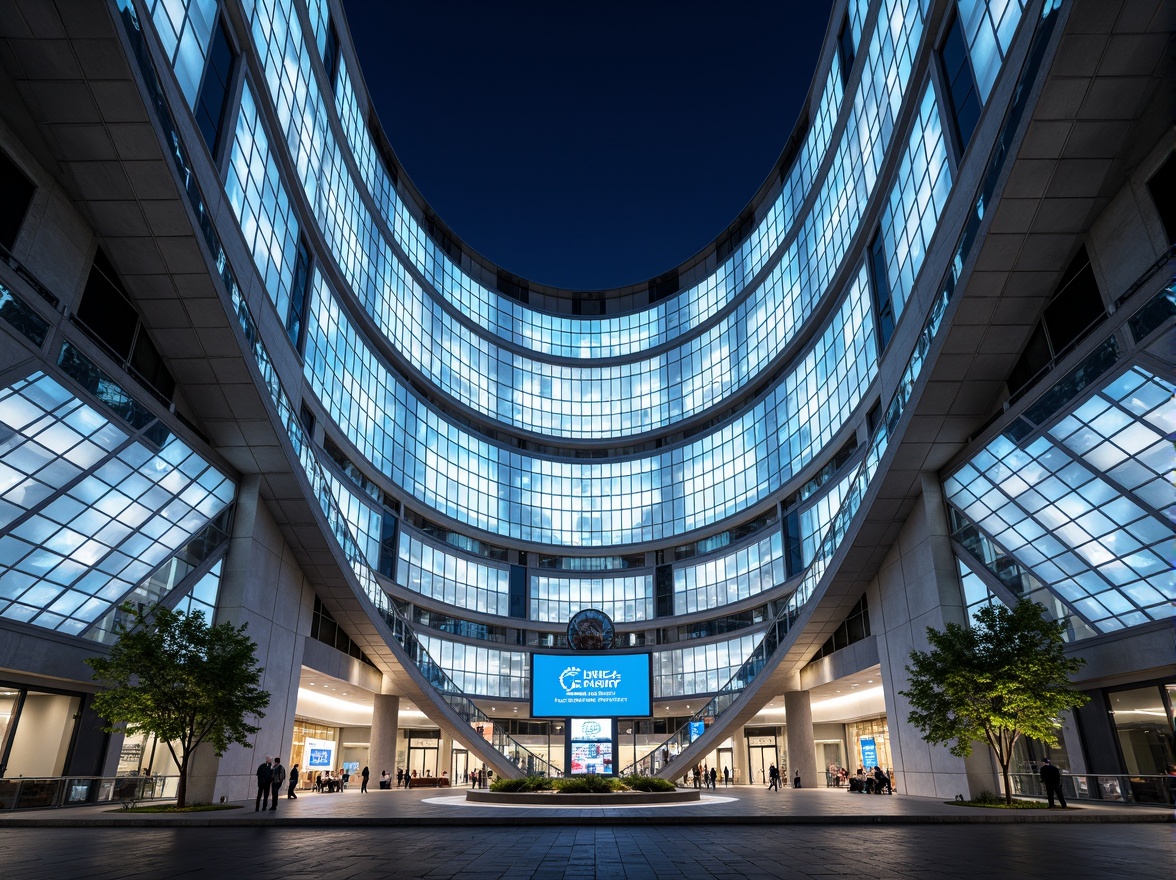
<point>85,515</point>
<point>452,579</point>
<point>1078,506</point>
<point>735,576</point>
<point>203,595</point>
<point>976,592</point>
<point>625,598</point>
<point>700,669</point>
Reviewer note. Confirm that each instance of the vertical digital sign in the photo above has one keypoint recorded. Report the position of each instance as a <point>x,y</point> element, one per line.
<point>591,746</point>
<point>869,753</point>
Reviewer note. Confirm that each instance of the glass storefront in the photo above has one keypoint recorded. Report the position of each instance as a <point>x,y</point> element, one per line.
<point>304,730</point>
<point>423,751</point>
<point>866,738</point>
<point>143,755</point>
<point>36,731</point>
<point>1143,727</point>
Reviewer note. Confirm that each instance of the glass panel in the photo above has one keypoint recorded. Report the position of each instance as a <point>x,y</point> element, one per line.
<point>42,736</point>
<point>1143,724</point>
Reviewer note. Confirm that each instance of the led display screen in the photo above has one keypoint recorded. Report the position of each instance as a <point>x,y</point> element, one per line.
<point>592,757</point>
<point>590,685</point>
<point>591,746</point>
<point>591,730</point>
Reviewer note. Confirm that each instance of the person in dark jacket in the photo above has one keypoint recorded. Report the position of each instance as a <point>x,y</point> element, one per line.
<point>265,779</point>
<point>773,778</point>
<point>293,783</point>
<point>1051,778</point>
<point>365,774</point>
<point>277,777</point>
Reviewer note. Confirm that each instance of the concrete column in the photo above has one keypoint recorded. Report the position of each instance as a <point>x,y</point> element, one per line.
<point>262,586</point>
<point>445,753</point>
<point>798,733</point>
<point>739,768</point>
<point>385,719</point>
<point>917,587</point>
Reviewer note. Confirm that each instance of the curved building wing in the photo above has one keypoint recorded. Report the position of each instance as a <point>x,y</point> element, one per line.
<point>247,371</point>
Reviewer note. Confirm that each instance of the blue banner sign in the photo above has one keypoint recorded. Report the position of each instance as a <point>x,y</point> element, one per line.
<point>697,729</point>
<point>869,753</point>
<point>590,685</point>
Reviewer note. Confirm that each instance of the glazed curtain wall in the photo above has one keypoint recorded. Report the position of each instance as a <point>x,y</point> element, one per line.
<point>453,579</point>
<point>600,402</point>
<point>735,576</point>
<point>596,502</point>
<point>634,506</point>
<point>1079,504</point>
<point>86,510</point>
<point>440,574</point>
<point>989,26</point>
<point>624,598</point>
<point>185,30</point>
<point>867,130</point>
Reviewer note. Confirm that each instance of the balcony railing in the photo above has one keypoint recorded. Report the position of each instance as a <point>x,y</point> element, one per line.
<point>1122,788</point>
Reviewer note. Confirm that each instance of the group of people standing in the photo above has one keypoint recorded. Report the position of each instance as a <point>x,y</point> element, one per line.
<point>270,777</point>
<point>708,778</point>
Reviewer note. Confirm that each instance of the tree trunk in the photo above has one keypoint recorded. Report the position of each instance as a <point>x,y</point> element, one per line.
<point>182,787</point>
<point>1004,770</point>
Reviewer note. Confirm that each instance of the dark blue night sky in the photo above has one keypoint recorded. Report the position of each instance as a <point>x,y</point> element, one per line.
<point>588,145</point>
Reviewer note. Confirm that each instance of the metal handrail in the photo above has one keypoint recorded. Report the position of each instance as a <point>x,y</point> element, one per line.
<point>1123,788</point>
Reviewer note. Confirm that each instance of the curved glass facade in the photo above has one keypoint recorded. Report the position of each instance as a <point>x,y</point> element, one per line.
<point>473,418</point>
<point>595,503</point>
<point>605,401</point>
<point>587,379</point>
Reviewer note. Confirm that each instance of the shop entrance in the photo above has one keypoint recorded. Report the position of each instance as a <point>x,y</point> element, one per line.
<point>830,759</point>
<point>460,766</point>
<point>423,749</point>
<point>726,759</point>
<point>760,760</point>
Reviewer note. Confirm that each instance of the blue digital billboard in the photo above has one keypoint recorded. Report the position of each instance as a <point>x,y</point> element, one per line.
<point>590,685</point>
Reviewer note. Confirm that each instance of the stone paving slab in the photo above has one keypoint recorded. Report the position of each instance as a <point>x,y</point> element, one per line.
<point>619,852</point>
<point>737,805</point>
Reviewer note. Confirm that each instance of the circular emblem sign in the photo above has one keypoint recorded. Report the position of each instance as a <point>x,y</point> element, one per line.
<point>590,630</point>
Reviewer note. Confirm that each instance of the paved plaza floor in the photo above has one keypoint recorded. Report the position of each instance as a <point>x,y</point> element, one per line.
<point>744,832</point>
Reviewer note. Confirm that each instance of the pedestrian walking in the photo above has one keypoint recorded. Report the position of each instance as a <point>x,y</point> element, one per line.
<point>1051,778</point>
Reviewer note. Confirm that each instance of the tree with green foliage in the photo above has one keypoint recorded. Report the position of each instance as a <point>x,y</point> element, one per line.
<point>1005,677</point>
<point>186,682</point>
